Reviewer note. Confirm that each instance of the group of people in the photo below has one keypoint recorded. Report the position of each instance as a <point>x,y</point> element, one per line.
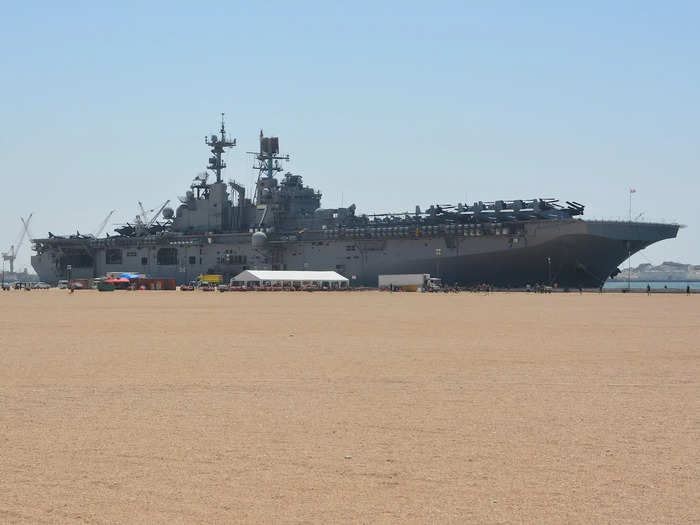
<point>687,289</point>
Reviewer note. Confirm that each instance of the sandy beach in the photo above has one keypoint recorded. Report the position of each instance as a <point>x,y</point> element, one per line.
<point>364,407</point>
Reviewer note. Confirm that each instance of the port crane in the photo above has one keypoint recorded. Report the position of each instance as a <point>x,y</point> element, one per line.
<point>11,255</point>
<point>143,224</point>
<point>103,224</point>
<point>144,214</point>
<point>157,214</point>
<point>144,220</point>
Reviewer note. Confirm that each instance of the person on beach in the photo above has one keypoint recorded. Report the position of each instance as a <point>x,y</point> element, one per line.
<point>648,289</point>
<point>687,290</point>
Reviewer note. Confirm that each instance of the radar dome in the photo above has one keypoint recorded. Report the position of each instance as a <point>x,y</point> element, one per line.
<point>168,213</point>
<point>259,239</point>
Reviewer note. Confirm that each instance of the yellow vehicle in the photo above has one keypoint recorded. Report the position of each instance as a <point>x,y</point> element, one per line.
<point>211,278</point>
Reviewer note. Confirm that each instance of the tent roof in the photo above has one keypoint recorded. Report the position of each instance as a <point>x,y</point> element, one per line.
<point>287,275</point>
<point>129,275</point>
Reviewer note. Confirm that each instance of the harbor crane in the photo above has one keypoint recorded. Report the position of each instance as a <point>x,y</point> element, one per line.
<point>144,220</point>
<point>144,213</point>
<point>103,224</point>
<point>25,223</point>
<point>11,255</point>
<point>143,224</point>
<point>157,214</point>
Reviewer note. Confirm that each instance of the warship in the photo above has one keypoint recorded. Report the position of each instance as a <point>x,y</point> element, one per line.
<point>220,228</point>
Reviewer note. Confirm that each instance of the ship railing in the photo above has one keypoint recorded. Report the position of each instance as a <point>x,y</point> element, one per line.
<point>623,220</point>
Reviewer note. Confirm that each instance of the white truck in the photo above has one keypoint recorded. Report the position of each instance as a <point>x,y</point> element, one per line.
<point>409,282</point>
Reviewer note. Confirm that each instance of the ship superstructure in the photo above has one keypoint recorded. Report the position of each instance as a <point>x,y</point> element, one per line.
<point>219,228</point>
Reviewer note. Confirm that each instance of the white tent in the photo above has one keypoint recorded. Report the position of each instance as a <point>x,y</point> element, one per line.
<point>322,278</point>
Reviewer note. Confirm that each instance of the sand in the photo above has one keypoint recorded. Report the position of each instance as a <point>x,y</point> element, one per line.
<point>364,407</point>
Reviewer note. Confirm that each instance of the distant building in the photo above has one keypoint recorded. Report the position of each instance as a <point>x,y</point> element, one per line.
<point>666,271</point>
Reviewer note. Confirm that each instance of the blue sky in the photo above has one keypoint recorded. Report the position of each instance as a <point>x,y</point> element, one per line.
<point>386,107</point>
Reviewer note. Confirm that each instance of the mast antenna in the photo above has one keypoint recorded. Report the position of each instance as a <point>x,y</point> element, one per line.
<point>218,145</point>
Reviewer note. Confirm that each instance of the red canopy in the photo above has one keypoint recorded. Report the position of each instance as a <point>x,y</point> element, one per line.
<point>113,280</point>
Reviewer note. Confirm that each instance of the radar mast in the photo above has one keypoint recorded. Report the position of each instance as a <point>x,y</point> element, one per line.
<point>218,145</point>
<point>268,160</point>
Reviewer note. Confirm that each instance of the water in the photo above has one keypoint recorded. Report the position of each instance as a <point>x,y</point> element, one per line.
<point>680,285</point>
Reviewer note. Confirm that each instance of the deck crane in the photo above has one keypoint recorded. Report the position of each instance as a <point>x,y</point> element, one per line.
<point>103,224</point>
<point>14,249</point>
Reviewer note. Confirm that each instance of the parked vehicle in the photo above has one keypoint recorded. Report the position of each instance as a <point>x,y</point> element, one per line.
<point>415,282</point>
<point>211,278</point>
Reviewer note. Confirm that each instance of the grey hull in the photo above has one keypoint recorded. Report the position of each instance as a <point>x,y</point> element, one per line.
<point>570,253</point>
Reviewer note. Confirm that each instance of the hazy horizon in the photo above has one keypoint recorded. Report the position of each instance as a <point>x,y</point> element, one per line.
<point>386,107</point>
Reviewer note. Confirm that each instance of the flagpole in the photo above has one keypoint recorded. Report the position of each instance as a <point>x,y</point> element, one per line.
<point>629,249</point>
<point>630,204</point>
